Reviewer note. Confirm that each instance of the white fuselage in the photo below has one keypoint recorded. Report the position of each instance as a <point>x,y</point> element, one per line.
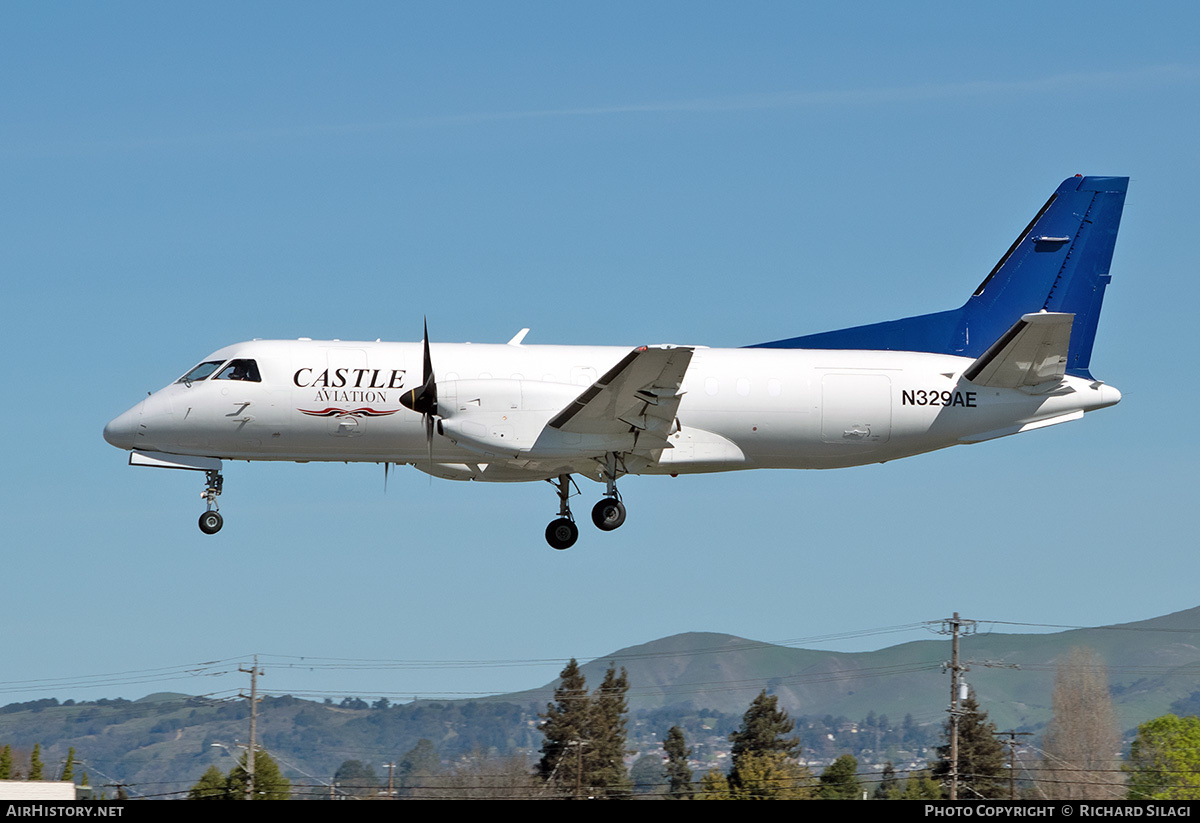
<point>745,408</point>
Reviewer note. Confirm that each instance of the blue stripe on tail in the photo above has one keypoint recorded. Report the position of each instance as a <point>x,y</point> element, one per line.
<point>1059,263</point>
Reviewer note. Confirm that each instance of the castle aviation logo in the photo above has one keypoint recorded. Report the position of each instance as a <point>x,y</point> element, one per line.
<point>366,411</point>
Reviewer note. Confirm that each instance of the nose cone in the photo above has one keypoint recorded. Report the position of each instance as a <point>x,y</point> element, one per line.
<point>122,430</point>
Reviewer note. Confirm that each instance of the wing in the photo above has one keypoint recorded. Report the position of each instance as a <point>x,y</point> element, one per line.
<point>640,394</point>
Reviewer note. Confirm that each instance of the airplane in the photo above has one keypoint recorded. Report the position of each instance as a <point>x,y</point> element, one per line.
<point>1015,357</point>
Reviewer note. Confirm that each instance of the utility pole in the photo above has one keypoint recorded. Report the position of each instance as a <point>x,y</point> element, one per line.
<point>391,767</point>
<point>254,672</point>
<point>955,627</point>
<point>1012,759</point>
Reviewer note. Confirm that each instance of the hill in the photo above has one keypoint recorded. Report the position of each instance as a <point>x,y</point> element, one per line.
<point>700,680</point>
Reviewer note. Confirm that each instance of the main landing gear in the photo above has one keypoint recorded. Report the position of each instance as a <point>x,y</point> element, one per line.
<point>608,514</point>
<point>562,533</point>
<point>211,521</point>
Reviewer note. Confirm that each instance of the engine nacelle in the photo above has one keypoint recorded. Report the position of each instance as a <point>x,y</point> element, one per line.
<point>507,418</point>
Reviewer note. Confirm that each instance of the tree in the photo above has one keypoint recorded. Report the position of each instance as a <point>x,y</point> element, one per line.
<point>921,786</point>
<point>584,742</point>
<point>68,770</point>
<point>889,784</point>
<point>1164,762</point>
<point>356,778</point>
<point>212,785</point>
<point>35,763</point>
<point>679,773</point>
<point>6,763</point>
<point>713,786</point>
<point>840,780</point>
<point>1082,741</point>
<point>763,730</point>
<point>485,777</point>
<point>770,775</point>
<point>269,782</point>
<point>604,758</point>
<point>763,759</point>
<point>981,760</point>
<point>648,774</point>
<point>565,726</point>
<point>415,769</point>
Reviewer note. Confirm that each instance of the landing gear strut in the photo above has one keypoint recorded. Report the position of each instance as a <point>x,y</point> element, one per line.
<point>609,513</point>
<point>562,533</point>
<point>211,521</point>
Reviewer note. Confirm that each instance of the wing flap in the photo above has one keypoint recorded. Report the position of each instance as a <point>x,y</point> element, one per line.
<point>640,394</point>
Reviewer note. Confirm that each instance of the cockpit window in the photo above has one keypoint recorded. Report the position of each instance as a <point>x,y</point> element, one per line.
<point>200,372</point>
<point>240,370</point>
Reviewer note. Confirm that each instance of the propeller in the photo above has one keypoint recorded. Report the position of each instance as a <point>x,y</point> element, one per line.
<point>423,399</point>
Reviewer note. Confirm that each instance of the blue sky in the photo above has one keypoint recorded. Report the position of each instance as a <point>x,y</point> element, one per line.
<point>176,178</point>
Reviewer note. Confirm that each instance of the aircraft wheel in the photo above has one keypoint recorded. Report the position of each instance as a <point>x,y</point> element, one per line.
<point>608,514</point>
<point>211,522</point>
<point>562,533</point>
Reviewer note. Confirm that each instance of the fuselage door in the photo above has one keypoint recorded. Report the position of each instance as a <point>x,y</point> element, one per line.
<point>856,409</point>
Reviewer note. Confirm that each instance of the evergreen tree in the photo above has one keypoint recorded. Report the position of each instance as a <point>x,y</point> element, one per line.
<point>584,745</point>
<point>981,759</point>
<point>713,786</point>
<point>68,771</point>
<point>648,774</point>
<point>415,769</point>
<point>921,786</point>
<point>840,780</point>
<point>565,726</point>
<point>6,763</point>
<point>679,773</point>
<point>35,763</point>
<point>604,756</point>
<point>356,778</point>
<point>763,731</point>
<point>889,784</point>
<point>269,782</point>
<point>771,775</point>
<point>212,785</point>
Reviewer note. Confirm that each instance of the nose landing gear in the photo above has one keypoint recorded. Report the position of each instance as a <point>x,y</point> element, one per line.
<point>211,521</point>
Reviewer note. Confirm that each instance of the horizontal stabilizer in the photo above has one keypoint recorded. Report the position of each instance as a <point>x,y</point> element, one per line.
<point>1032,352</point>
<point>638,394</point>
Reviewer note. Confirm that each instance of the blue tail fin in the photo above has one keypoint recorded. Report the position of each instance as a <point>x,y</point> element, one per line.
<point>1059,264</point>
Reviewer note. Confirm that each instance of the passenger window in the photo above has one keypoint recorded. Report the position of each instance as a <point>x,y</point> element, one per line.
<point>240,370</point>
<point>200,372</point>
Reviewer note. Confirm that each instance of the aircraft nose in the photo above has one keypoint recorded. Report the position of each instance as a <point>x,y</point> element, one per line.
<point>121,431</point>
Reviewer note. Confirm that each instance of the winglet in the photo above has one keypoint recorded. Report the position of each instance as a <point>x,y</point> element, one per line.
<point>518,337</point>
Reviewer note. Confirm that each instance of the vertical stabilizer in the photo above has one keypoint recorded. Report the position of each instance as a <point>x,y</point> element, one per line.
<point>1059,263</point>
